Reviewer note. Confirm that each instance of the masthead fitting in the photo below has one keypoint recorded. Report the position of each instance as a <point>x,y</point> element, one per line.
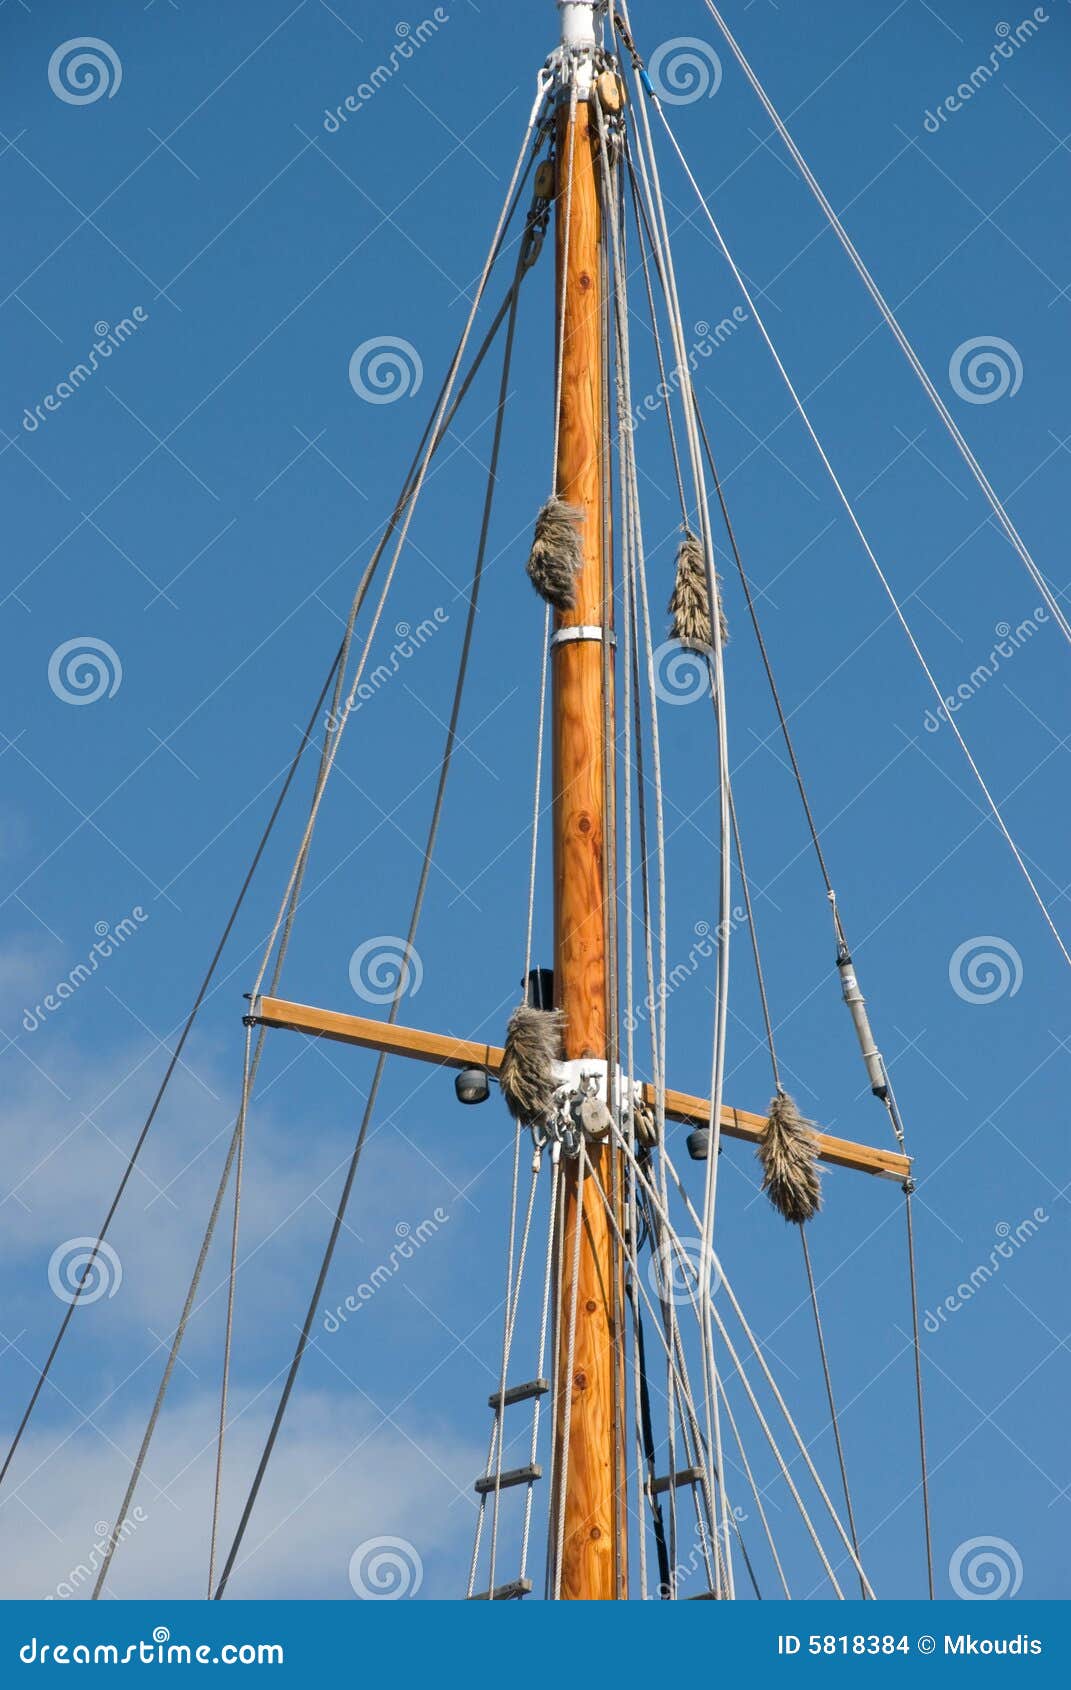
<point>578,23</point>
<point>579,44</point>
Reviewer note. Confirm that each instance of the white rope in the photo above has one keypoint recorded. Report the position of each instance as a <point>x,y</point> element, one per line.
<point>537,799</point>
<point>544,1322</point>
<point>630,1028</point>
<point>339,726</point>
<point>676,1362</point>
<point>755,1492</point>
<point>634,569</point>
<point>893,324</point>
<point>228,1336</point>
<point>656,211</point>
<point>514,1277</point>
<point>558,1226</point>
<point>793,1428</point>
<point>690,1267</point>
<point>570,155</point>
<point>801,408</point>
<point>566,1384</point>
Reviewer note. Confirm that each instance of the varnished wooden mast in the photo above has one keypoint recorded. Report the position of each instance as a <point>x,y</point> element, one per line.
<point>591,1488</point>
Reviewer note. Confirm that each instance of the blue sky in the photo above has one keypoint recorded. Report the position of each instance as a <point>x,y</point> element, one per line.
<point>201,506</point>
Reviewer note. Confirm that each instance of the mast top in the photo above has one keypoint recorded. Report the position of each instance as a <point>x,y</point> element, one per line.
<point>579,43</point>
<point>578,23</point>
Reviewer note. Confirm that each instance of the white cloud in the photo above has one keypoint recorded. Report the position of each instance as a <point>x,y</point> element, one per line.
<point>338,1477</point>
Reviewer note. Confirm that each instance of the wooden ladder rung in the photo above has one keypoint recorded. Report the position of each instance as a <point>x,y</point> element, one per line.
<point>686,1476</point>
<point>504,1592</point>
<point>503,1481</point>
<point>519,1393</point>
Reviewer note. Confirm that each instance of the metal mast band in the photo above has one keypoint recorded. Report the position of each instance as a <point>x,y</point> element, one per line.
<point>584,632</point>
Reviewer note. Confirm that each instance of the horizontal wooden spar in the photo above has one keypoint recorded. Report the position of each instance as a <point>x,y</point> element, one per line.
<point>448,1052</point>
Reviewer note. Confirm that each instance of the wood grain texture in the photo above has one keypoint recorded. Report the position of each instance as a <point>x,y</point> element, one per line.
<point>448,1052</point>
<point>593,1545</point>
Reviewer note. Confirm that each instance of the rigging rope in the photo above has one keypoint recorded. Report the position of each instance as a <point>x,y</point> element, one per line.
<point>338,670</point>
<point>429,849</point>
<point>656,209</point>
<point>889,1098</point>
<point>337,667</point>
<point>635,578</point>
<point>565,1383</point>
<point>690,1268</point>
<point>305,740</point>
<point>897,331</point>
<point>443,413</point>
<point>544,1324</point>
<point>860,532</point>
<point>217,1493</point>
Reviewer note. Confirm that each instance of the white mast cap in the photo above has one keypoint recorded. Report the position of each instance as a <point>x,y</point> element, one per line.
<point>578,24</point>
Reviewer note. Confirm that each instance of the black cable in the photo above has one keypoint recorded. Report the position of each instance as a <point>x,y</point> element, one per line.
<point>647,1437</point>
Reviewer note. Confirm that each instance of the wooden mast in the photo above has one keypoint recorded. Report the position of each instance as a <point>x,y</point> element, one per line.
<point>590,1489</point>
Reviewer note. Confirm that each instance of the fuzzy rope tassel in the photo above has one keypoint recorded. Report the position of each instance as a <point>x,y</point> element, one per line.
<point>533,1046</point>
<point>689,607</point>
<point>788,1152</point>
<point>556,559</point>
